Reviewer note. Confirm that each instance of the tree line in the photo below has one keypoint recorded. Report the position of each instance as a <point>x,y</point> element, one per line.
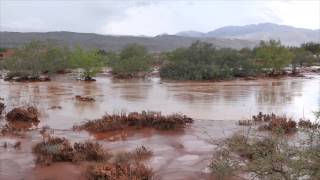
<point>199,61</point>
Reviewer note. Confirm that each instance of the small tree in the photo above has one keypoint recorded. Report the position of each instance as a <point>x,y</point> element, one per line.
<point>35,58</point>
<point>133,59</point>
<point>301,57</point>
<point>312,47</point>
<point>273,56</point>
<point>90,61</point>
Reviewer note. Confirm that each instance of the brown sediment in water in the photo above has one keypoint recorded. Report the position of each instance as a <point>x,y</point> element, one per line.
<point>182,155</point>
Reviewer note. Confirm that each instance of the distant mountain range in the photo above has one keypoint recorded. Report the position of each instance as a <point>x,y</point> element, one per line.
<point>231,37</point>
<point>255,32</point>
<point>107,42</point>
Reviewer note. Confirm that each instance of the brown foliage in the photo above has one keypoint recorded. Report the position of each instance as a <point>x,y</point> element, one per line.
<point>84,98</point>
<point>136,120</point>
<point>2,106</point>
<point>284,124</point>
<point>125,166</point>
<point>307,124</point>
<point>23,114</point>
<point>131,171</point>
<point>60,150</point>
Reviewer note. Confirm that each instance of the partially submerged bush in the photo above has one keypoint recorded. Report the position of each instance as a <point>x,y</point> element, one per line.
<point>132,171</point>
<point>280,124</point>
<point>136,120</point>
<point>125,165</point>
<point>273,156</point>
<point>2,106</point>
<point>60,150</point>
<point>89,151</point>
<point>263,117</point>
<point>54,150</point>
<point>23,114</point>
<point>84,98</point>
<point>140,153</point>
<point>307,124</point>
<point>271,122</point>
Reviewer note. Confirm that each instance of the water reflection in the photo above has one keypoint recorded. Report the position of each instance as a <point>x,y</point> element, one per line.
<point>230,100</point>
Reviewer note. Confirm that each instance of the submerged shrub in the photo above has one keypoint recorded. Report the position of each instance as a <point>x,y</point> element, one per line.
<point>23,114</point>
<point>136,120</point>
<point>2,106</point>
<point>125,165</point>
<point>89,151</point>
<point>53,150</point>
<point>60,150</point>
<point>132,171</point>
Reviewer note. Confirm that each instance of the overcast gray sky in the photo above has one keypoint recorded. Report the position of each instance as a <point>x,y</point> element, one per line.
<point>152,17</point>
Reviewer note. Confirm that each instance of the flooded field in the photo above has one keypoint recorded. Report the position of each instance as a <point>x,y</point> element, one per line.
<point>177,155</point>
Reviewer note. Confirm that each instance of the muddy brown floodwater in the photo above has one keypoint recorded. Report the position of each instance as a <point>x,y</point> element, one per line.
<point>177,155</point>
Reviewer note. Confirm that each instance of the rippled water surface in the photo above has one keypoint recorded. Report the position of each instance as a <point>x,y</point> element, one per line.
<point>230,100</point>
<point>177,155</point>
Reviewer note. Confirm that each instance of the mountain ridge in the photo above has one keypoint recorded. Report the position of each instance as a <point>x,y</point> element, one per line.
<point>289,35</point>
<point>158,43</point>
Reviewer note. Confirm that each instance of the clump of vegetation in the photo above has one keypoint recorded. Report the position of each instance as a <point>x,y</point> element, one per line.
<point>272,56</point>
<point>2,106</point>
<point>271,156</point>
<point>132,61</point>
<point>56,149</point>
<point>263,117</point>
<point>134,171</point>
<point>84,99</point>
<point>125,165</point>
<point>89,151</point>
<point>140,153</point>
<point>271,122</point>
<point>89,61</point>
<point>307,124</point>
<point>53,150</point>
<point>222,165</point>
<point>32,60</point>
<point>135,120</point>
<point>284,124</point>
<point>202,61</point>
<point>23,114</point>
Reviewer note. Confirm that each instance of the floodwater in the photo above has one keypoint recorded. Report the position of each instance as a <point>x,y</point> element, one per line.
<point>177,155</point>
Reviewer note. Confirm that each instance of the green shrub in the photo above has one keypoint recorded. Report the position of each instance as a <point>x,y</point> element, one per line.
<point>90,61</point>
<point>35,58</point>
<point>132,60</point>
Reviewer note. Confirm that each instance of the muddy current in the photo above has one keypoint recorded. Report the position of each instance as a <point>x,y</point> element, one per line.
<point>215,106</point>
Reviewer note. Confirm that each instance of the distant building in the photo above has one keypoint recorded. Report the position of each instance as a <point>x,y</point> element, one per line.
<point>6,53</point>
